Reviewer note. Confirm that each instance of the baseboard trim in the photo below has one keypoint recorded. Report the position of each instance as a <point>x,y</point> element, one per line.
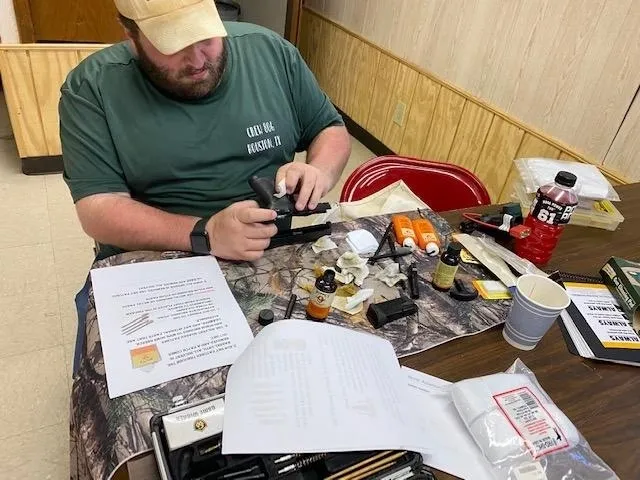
<point>42,165</point>
<point>364,137</point>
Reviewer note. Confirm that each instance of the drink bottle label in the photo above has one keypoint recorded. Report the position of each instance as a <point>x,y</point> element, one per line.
<point>550,212</point>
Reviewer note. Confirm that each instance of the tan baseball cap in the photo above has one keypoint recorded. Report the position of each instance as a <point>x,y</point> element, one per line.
<point>171,25</point>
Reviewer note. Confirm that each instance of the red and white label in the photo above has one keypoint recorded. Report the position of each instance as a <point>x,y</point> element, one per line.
<point>531,420</point>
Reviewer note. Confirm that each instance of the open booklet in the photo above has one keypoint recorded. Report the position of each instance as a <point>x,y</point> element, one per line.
<point>305,387</point>
<point>595,326</point>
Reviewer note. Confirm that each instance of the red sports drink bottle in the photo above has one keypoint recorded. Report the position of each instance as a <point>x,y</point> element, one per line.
<point>550,212</point>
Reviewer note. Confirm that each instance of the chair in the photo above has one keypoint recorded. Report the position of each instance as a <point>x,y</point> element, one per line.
<point>442,186</point>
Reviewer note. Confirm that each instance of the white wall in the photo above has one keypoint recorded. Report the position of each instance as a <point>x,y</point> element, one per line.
<point>268,13</point>
<point>8,26</point>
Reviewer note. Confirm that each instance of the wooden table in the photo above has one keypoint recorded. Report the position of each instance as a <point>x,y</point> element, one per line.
<point>600,398</point>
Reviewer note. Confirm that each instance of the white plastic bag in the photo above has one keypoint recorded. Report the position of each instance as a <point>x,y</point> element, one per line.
<point>591,183</point>
<point>521,432</point>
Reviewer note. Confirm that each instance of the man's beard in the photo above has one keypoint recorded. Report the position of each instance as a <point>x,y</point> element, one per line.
<point>179,86</point>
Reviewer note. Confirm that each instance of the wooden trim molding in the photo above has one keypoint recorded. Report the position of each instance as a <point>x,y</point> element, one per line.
<point>94,47</point>
<point>292,24</point>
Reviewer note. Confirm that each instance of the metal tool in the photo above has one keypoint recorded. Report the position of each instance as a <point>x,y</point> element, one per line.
<point>300,464</point>
<point>290,306</point>
<point>399,252</point>
<point>238,473</point>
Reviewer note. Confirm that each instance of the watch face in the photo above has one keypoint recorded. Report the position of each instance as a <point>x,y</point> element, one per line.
<point>200,243</point>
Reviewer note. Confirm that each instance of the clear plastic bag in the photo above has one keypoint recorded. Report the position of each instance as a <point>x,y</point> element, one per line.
<point>591,183</point>
<point>521,432</point>
<point>519,264</point>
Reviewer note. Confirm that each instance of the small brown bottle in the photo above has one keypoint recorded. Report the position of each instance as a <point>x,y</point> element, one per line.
<point>447,267</point>
<point>322,296</point>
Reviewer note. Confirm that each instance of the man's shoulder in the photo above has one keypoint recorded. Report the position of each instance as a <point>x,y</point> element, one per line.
<point>240,30</point>
<point>92,68</point>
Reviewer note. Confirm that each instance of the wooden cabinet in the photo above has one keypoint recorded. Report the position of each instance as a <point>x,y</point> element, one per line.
<point>92,21</point>
<point>32,75</point>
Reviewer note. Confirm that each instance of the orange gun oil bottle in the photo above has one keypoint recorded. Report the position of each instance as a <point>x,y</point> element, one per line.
<point>427,236</point>
<point>403,231</point>
<point>322,296</point>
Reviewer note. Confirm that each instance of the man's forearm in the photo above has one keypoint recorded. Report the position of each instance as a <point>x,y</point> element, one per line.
<point>118,220</point>
<point>330,152</point>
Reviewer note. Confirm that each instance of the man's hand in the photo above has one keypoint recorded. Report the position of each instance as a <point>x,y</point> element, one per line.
<point>310,183</point>
<point>238,232</point>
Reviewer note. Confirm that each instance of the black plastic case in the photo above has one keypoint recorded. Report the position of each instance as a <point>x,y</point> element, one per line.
<point>202,460</point>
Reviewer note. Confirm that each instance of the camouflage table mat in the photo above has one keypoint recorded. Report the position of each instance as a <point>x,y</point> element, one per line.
<point>107,432</point>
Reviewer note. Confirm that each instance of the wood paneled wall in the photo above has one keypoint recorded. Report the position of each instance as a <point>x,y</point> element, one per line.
<point>624,155</point>
<point>568,68</point>
<point>441,123</point>
<point>32,76</point>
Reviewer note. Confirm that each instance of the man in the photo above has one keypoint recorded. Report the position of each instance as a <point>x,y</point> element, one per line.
<point>160,134</point>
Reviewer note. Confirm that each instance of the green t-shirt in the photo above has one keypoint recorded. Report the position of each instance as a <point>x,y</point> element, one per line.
<point>121,134</point>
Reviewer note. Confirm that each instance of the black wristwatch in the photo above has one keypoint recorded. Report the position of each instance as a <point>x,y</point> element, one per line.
<point>200,238</point>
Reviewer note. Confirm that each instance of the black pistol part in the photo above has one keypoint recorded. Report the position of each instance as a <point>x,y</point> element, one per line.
<point>265,187</point>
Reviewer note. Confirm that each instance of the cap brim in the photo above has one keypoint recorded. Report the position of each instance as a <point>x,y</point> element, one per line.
<point>176,30</point>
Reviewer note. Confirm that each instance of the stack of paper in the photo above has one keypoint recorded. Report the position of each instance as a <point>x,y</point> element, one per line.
<point>305,387</point>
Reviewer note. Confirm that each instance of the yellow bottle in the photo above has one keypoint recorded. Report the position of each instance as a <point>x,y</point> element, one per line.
<point>403,231</point>
<point>427,236</point>
<point>447,267</point>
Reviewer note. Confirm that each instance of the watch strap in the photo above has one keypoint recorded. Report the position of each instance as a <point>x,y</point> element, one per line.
<point>200,238</point>
<point>201,226</point>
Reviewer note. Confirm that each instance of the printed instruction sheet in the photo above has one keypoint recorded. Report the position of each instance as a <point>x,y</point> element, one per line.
<point>164,320</point>
<point>309,387</point>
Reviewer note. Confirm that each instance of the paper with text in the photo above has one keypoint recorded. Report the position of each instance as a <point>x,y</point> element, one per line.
<point>605,316</point>
<point>454,450</point>
<point>304,387</point>
<point>164,320</point>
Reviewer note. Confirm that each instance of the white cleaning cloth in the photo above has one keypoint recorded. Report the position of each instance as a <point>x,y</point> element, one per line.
<point>362,242</point>
<point>281,189</point>
<point>344,278</point>
<point>391,274</point>
<point>350,262</point>
<point>510,417</point>
<point>355,303</point>
<point>340,303</point>
<point>323,243</point>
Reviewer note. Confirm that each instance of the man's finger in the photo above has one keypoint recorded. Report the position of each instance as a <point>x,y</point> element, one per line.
<point>316,196</point>
<point>281,174</point>
<point>252,256</point>
<point>306,189</point>
<point>256,215</point>
<point>257,245</point>
<point>261,231</point>
<point>293,178</point>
